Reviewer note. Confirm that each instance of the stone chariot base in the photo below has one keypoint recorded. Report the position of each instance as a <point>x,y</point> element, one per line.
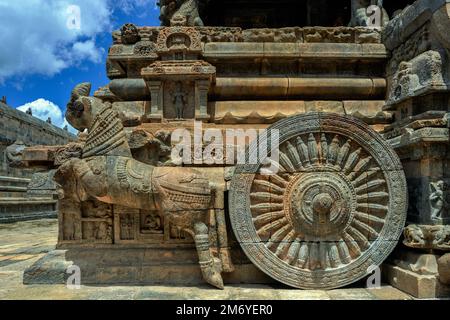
<point>135,266</point>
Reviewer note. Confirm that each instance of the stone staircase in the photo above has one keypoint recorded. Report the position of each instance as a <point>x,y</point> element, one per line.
<point>17,205</point>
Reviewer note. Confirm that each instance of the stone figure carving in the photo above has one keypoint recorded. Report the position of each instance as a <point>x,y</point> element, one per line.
<point>186,8</point>
<point>71,150</point>
<point>427,237</point>
<point>414,235</point>
<point>71,230</point>
<point>129,34</point>
<point>108,173</point>
<point>179,100</point>
<point>412,77</point>
<point>441,236</point>
<point>437,199</point>
<point>126,227</point>
<point>361,15</point>
<point>13,154</point>
<point>151,224</point>
<point>151,149</point>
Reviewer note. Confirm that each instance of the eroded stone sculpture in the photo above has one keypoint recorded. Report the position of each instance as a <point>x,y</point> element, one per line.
<point>13,154</point>
<point>108,173</point>
<point>427,237</point>
<point>185,8</point>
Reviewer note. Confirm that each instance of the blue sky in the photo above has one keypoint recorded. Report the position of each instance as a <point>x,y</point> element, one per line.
<point>42,61</point>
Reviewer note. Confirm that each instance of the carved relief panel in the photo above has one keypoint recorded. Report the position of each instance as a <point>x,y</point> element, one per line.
<point>133,226</point>
<point>96,222</point>
<point>179,100</point>
<point>88,222</point>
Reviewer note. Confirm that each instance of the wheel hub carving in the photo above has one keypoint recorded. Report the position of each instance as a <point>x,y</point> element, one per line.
<point>319,204</point>
<point>336,207</point>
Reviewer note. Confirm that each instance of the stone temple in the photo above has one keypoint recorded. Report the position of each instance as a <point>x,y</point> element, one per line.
<point>354,97</point>
<point>26,192</point>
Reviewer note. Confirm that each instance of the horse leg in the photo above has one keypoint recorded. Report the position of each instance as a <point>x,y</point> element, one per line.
<point>222,238</point>
<point>221,228</point>
<point>210,269</point>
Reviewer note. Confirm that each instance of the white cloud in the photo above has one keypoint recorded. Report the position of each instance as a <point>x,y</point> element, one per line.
<point>43,109</point>
<point>128,6</point>
<point>87,50</point>
<point>36,38</point>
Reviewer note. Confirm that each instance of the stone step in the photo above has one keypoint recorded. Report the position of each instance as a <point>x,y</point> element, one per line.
<point>25,201</point>
<point>4,194</point>
<point>13,209</point>
<point>12,189</point>
<point>13,182</point>
<point>133,266</point>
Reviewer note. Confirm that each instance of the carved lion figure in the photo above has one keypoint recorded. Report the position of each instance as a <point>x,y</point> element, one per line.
<point>186,8</point>
<point>414,235</point>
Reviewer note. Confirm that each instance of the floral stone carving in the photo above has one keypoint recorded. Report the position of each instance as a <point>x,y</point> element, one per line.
<point>336,207</point>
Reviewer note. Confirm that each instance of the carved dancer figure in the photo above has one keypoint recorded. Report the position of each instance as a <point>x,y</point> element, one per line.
<point>362,16</point>
<point>179,100</point>
<point>437,199</point>
<point>108,173</point>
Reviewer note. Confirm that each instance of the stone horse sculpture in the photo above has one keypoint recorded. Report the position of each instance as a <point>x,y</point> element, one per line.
<point>106,171</point>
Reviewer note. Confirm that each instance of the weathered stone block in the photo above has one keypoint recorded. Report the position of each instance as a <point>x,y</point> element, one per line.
<point>444,269</point>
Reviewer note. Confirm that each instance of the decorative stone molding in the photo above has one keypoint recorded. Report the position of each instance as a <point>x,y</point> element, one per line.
<point>425,73</point>
<point>427,237</point>
<point>270,35</point>
<point>177,85</point>
<point>179,43</point>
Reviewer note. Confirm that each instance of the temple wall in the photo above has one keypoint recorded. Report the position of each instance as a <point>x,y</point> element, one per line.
<point>16,125</point>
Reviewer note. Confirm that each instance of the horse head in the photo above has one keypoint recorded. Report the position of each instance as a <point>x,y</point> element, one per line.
<point>82,109</point>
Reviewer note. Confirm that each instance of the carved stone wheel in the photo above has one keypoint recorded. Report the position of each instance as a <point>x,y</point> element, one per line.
<point>336,207</point>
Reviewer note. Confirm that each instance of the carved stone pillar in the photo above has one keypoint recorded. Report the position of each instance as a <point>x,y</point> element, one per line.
<point>419,94</point>
<point>201,99</point>
<point>184,84</point>
<point>157,100</point>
